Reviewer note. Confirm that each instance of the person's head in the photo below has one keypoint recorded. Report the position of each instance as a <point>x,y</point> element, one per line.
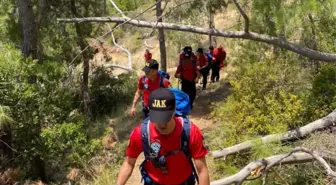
<point>187,52</point>
<point>151,68</point>
<point>199,52</point>
<point>161,104</point>
<point>211,48</point>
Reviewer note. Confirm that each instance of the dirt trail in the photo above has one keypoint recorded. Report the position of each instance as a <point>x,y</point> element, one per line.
<point>200,115</point>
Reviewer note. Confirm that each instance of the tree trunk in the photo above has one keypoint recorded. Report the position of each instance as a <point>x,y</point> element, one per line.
<point>212,40</point>
<point>323,123</point>
<point>86,65</point>
<point>104,8</point>
<point>162,42</point>
<point>315,63</point>
<point>29,28</point>
<point>30,49</point>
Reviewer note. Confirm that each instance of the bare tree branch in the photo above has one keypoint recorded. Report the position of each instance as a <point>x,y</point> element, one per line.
<point>247,22</point>
<point>297,155</point>
<point>118,9</point>
<point>123,49</point>
<point>118,66</point>
<point>301,132</point>
<point>147,45</point>
<point>121,23</point>
<point>313,54</point>
<point>157,20</point>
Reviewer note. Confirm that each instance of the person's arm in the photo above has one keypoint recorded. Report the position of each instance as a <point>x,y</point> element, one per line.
<point>198,153</point>
<point>137,96</point>
<point>126,170</point>
<point>178,72</point>
<point>135,100</point>
<point>203,171</point>
<point>133,150</point>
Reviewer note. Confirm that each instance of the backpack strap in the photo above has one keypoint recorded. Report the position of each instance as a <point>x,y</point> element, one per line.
<point>161,81</point>
<point>146,85</point>
<point>144,82</point>
<point>145,137</point>
<point>185,136</point>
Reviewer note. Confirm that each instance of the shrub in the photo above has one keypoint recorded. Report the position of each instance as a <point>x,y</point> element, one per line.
<point>109,92</point>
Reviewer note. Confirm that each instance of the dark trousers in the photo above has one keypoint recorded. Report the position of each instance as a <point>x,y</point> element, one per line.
<point>205,73</point>
<point>190,181</point>
<point>189,87</point>
<point>215,72</point>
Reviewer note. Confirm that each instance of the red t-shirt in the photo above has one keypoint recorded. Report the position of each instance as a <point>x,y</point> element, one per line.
<point>189,70</point>
<point>179,168</point>
<point>202,60</point>
<point>152,85</point>
<point>148,56</point>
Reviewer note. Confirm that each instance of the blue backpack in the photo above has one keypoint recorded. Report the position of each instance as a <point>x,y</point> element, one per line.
<point>182,111</point>
<point>209,58</point>
<point>164,74</point>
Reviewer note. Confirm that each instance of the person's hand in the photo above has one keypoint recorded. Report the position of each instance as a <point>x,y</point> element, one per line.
<point>133,111</point>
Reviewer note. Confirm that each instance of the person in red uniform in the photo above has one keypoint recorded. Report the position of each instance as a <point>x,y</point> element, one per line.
<point>189,74</point>
<point>165,130</point>
<point>146,84</point>
<point>204,66</point>
<point>148,55</point>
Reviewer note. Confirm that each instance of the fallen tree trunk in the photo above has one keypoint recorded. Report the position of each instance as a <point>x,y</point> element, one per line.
<point>297,155</point>
<point>316,55</point>
<point>301,132</point>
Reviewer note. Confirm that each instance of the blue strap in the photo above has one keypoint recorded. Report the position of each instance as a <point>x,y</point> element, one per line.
<point>145,137</point>
<point>185,144</point>
<point>144,82</point>
<point>161,81</point>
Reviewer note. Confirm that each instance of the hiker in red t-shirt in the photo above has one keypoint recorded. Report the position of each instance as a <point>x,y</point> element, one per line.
<point>204,66</point>
<point>160,137</point>
<point>148,55</point>
<point>147,83</point>
<point>189,74</point>
<point>219,54</point>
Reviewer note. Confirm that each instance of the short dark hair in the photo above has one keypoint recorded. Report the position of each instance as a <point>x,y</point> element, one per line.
<point>211,48</point>
<point>200,50</point>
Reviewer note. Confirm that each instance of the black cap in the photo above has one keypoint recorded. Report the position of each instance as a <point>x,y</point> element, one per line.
<point>152,64</point>
<point>161,104</point>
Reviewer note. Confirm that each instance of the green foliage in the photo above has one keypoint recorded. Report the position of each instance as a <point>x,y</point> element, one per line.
<point>110,92</point>
<point>322,99</point>
<point>68,144</point>
<point>5,119</point>
<point>265,99</point>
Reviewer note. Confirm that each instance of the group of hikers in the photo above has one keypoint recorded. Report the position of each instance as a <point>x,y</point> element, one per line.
<point>172,145</point>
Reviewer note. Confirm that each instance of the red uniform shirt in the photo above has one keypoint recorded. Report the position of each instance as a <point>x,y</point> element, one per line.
<point>148,56</point>
<point>202,60</point>
<point>179,168</point>
<point>152,85</point>
<point>189,70</point>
